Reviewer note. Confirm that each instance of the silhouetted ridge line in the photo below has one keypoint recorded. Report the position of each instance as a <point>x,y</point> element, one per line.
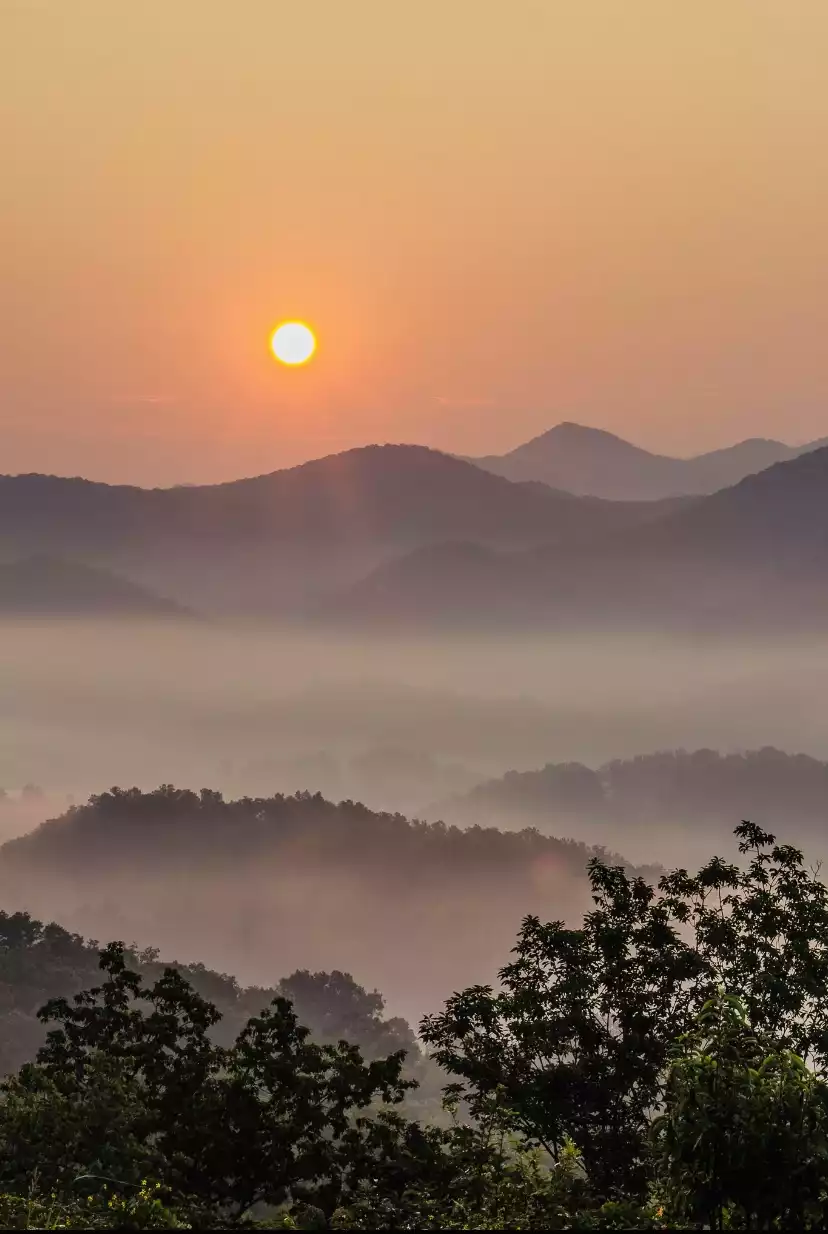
<point>591,461</point>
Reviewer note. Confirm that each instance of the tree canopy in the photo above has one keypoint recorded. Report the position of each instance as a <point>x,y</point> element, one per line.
<point>661,1066</point>
<point>579,1032</point>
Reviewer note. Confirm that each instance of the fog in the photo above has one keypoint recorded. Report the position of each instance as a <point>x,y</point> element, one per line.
<point>83,706</point>
<point>399,725</point>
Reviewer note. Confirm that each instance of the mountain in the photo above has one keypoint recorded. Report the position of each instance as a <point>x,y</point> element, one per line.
<point>406,533</point>
<point>462,584</point>
<point>263,886</point>
<point>41,586</point>
<point>751,556</point>
<point>778,515</point>
<point>590,461</point>
<point>684,796</point>
<point>266,544</point>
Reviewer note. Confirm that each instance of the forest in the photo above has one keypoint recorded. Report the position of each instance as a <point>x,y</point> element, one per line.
<point>662,1065</point>
<point>228,882</point>
<point>688,795</point>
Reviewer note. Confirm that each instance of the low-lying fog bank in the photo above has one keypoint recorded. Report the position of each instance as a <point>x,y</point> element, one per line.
<point>412,726</point>
<point>397,723</point>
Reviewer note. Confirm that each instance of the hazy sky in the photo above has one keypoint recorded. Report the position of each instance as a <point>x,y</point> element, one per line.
<point>496,213</point>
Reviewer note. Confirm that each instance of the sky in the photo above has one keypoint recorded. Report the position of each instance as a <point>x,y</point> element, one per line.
<point>496,215</point>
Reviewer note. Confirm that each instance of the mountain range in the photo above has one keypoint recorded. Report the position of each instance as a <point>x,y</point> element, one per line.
<point>592,462</point>
<point>400,534</point>
<point>268,544</point>
<point>751,556</point>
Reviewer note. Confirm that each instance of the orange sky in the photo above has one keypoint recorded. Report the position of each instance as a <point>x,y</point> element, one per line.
<point>497,213</point>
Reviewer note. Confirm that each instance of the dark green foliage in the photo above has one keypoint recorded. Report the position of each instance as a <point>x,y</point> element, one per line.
<point>337,1009</point>
<point>37,962</point>
<point>579,1034</point>
<point>130,1085</point>
<point>613,1083</point>
<point>743,1140</point>
<point>761,931</point>
<point>116,826</point>
<point>481,1177</point>
<point>41,962</point>
<point>139,1208</point>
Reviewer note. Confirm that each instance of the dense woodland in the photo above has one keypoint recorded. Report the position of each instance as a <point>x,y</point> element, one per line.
<point>39,962</point>
<point>675,790</point>
<point>662,1065</point>
<point>229,882</point>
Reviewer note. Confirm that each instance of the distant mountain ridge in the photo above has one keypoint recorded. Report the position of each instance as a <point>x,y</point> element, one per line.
<point>402,493</point>
<point>263,545</point>
<point>407,534</point>
<point>592,462</point>
<point>42,586</point>
<point>751,556</point>
<point>693,791</point>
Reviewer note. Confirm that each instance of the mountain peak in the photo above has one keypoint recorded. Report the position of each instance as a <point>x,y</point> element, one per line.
<point>571,428</point>
<point>592,462</point>
<point>578,440</point>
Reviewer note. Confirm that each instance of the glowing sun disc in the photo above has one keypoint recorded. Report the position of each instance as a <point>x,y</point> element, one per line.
<point>292,343</point>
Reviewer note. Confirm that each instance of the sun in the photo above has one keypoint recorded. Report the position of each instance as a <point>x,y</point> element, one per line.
<point>292,342</point>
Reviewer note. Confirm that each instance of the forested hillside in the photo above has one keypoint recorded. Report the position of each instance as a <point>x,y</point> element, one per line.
<point>263,886</point>
<point>39,962</point>
<point>660,1066</point>
<point>691,797</point>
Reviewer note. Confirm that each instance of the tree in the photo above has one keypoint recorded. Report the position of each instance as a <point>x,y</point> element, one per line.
<point>335,1008</point>
<point>579,1033</point>
<point>40,962</point>
<point>130,1085</point>
<point>481,1177</point>
<point>609,1063</point>
<point>121,1086</point>
<point>743,1140</point>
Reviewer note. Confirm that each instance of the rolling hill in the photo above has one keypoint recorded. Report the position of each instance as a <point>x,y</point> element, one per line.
<point>262,886</point>
<point>677,795</point>
<point>590,461</point>
<point>41,586</point>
